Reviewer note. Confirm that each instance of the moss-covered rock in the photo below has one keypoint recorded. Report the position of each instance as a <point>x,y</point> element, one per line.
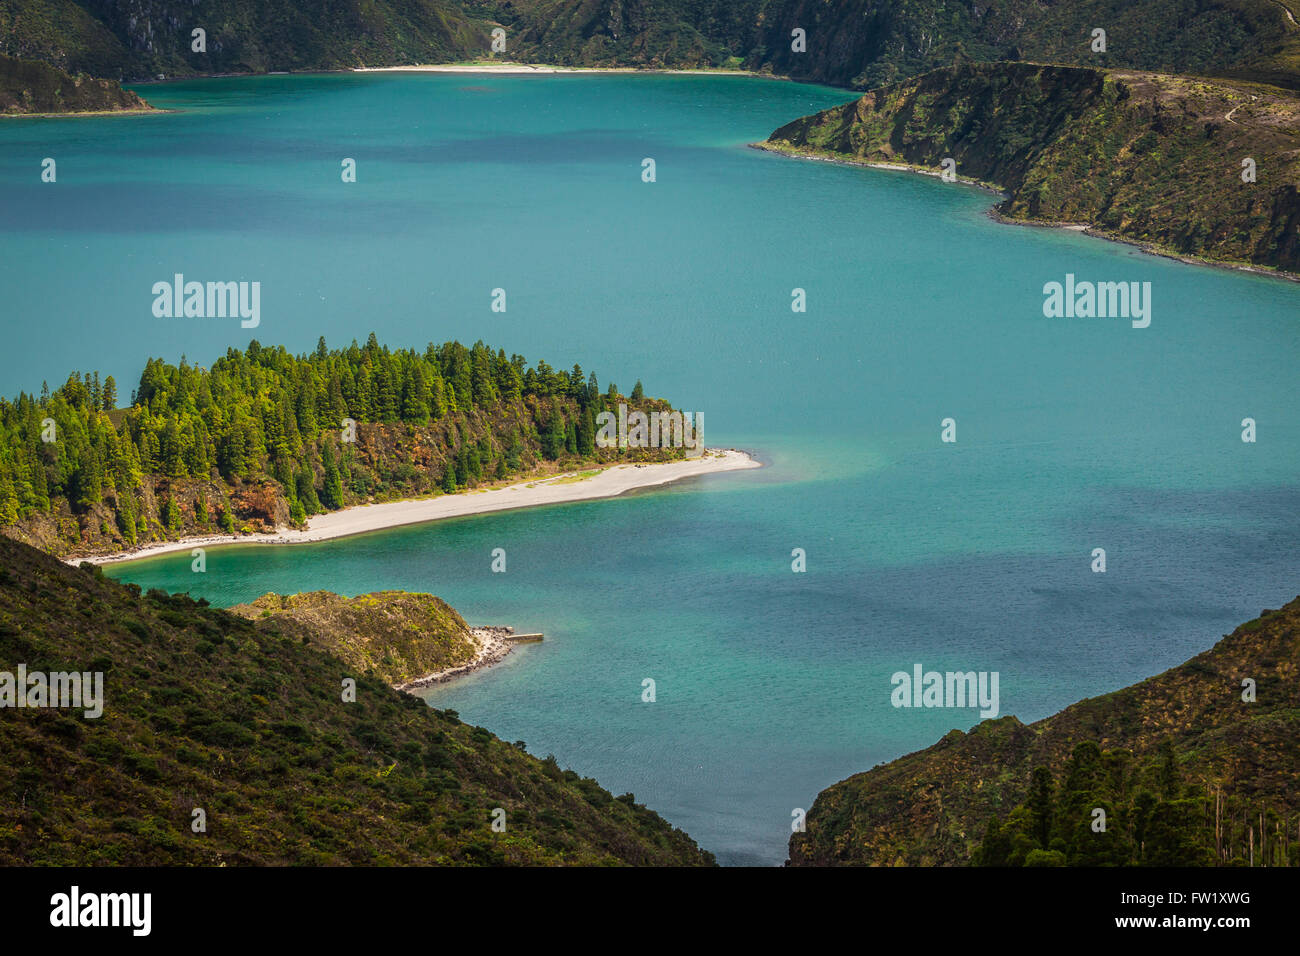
<point>398,635</point>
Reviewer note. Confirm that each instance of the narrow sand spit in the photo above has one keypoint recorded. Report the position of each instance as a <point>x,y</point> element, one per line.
<point>553,489</point>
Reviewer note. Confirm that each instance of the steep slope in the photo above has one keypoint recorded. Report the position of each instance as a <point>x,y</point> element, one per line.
<point>1221,766</point>
<point>866,43</point>
<point>1144,157</point>
<point>29,86</point>
<point>399,635</point>
<point>202,710</point>
<point>64,33</point>
<point>860,43</point>
<point>136,39</point>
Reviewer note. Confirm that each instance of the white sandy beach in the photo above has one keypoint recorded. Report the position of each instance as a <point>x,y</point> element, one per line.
<point>553,489</point>
<point>520,68</point>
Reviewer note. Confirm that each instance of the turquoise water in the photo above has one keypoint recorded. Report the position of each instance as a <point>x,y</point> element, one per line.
<point>1072,434</point>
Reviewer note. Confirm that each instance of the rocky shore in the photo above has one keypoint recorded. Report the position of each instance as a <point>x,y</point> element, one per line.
<point>494,643</point>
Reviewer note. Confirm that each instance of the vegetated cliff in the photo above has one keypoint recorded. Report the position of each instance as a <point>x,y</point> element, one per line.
<point>399,635</point>
<point>867,43</point>
<point>202,710</point>
<point>263,439</point>
<point>28,86</point>
<point>1187,771</point>
<point>1147,158</point>
<point>859,43</point>
<point>139,39</point>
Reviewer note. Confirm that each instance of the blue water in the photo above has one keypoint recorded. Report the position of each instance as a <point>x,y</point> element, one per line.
<point>1073,434</point>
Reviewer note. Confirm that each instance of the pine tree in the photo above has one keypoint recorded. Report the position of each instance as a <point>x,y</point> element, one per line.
<point>8,498</point>
<point>171,514</point>
<point>305,489</point>
<point>1041,805</point>
<point>332,490</point>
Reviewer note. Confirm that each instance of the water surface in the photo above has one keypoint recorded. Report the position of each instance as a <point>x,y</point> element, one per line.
<point>770,685</point>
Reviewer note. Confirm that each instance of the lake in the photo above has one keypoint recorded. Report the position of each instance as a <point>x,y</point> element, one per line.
<point>1072,434</point>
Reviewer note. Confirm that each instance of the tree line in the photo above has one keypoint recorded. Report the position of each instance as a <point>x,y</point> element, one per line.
<point>265,413</point>
<point>1109,809</point>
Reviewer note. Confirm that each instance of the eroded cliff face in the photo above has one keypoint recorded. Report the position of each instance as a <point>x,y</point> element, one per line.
<point>1149,158</point>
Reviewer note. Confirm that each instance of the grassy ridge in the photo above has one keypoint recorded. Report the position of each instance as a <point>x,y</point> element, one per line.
<point>205,710</point>
<point>1188,772</point>
<point>1148,158</point>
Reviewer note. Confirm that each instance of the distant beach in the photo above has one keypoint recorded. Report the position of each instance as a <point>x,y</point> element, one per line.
<point>553,489</point>
<point>522,68</point>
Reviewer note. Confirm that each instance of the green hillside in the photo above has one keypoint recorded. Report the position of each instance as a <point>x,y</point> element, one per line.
<point>1149,158</point>
<point>1186,770</point>
<point>868,43</point>
<point>138,39</point>
<point>203,710</point>
<point>861,43</point>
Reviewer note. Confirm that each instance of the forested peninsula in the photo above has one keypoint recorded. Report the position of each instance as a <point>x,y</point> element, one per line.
<point>263,439</point>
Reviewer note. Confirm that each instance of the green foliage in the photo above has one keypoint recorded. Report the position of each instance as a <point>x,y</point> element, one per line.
<point>1139,828</point>
<point>114,39</point>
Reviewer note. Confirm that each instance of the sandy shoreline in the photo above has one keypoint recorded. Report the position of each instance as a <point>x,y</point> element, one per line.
<point>516,69</point>
<point>554,489</point>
